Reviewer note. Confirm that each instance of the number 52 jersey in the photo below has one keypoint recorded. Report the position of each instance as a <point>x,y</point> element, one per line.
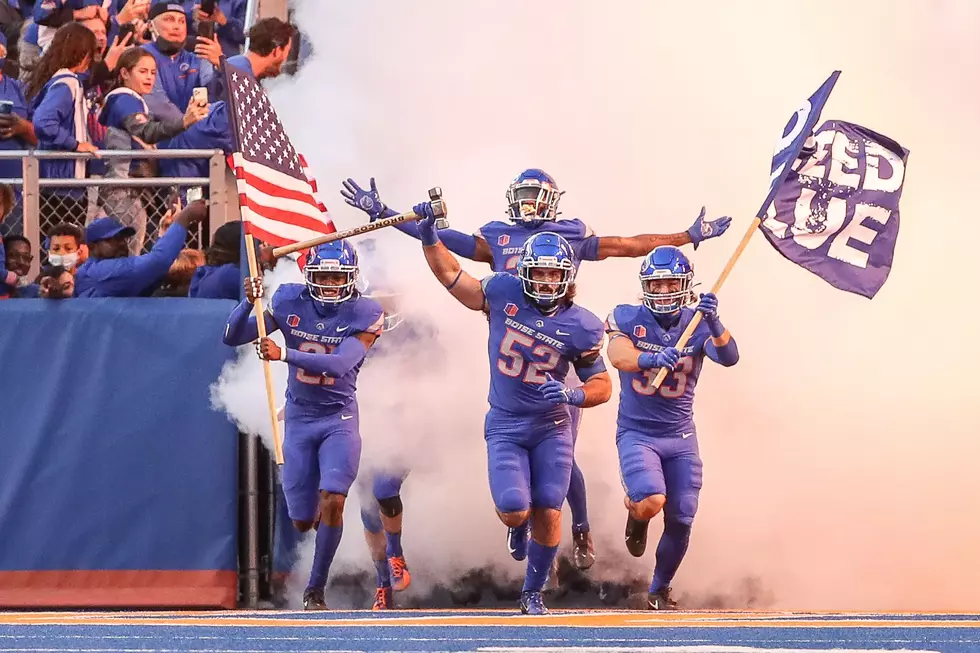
<point>667,411</point>
<point>527,348</point>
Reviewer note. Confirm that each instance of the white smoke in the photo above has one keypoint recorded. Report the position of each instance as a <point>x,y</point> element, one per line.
<point>839,453</point>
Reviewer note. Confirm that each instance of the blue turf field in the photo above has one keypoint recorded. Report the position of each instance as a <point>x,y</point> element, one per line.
<point>488,631</point>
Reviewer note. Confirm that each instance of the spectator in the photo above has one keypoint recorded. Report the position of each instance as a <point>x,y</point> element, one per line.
<point>66,247</point>
<point>221,278</point>
<point>16,133</point>
<point>18,255</point>
<point>212,133</point>
<point>178,279</point>
<point>178,72</point>
<point>55,282</point>
<point>29,50</point>
<point>56,91</point>
<point>270,41</point>
<point>229,23</point>
<point>111,272</point>
<point>130,127</point>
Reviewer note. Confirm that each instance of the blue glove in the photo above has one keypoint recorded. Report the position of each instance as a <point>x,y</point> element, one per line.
<point>366,200</point>
<point>428,233</point>
<point>556,393</point>
<point>650,360</point>
<point>708,306</point>
<point>704,229</point>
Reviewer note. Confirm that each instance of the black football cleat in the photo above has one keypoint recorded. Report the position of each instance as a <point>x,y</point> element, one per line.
<point>583,552</point>
<point>313,600</point>
<point>636,536</point>
<point>660,600</point>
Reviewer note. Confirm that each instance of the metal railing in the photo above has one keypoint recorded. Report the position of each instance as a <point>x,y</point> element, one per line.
<point>142,202</point>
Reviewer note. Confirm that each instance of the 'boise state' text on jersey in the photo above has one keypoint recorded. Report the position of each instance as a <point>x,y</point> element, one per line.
<point>669,410</point>
<point>506,240</point>
<point>307,329</point>
<point>527,348</point>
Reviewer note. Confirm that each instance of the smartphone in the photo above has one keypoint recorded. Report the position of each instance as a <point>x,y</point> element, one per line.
<point>206,29</point>
<point>201,95</point>
<point>194,194</point>
<point>6,107</point>
<point>128,28</point>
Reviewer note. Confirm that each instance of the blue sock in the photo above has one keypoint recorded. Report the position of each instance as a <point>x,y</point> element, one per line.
<point>576,500</point>
<point>539,561</point>
<point>327,541</point>
<point>384,574</point>
<point>393,549</point>
<point>670,552</point>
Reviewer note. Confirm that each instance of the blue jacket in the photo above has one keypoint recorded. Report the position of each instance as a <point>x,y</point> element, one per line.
<point>130,276</point>
<point>57,123</point>
<point>177,77</point>
<point>212,132</point>
<point>216,282</point>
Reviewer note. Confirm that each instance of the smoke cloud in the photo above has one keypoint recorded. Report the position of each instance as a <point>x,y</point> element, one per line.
<point>840,452</point>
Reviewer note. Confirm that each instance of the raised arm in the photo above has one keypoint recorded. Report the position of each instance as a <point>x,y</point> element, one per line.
<point>467,290</point>
<point>369,201</point>
<point>636,246</point>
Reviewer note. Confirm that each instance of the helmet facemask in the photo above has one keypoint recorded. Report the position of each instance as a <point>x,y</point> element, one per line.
<point>546,280</point>
<point>329,282</point>
<point>532,200</point>
<point>665,293</point>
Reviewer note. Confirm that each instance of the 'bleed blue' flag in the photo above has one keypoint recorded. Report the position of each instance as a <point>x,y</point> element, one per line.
<point>836,212</point>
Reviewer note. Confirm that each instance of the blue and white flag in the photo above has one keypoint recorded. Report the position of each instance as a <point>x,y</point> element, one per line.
<point>836,212</point>
<point>795,133</point>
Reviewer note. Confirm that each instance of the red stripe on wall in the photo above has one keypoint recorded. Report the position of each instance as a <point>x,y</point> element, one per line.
<point>118,589</point>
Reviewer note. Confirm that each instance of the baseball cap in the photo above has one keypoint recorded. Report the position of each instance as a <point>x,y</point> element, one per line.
<point>163,7</point>
<point>105,228</point>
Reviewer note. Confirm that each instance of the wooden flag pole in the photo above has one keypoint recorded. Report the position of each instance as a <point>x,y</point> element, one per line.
<point>253,271</point>
<point>693,324</point>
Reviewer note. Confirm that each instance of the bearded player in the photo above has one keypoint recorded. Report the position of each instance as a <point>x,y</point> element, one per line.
<point>532,199</point>
<point>657,441</point>
<point>536,335</point>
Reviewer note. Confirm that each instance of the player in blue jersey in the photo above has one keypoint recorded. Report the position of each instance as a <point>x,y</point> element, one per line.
<point>328,329</point>
<point>536,335</point>
<point>532,200</point>
<point>656,437</point>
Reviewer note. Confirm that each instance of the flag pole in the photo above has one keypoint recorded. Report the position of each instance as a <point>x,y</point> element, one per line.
<point>253,270</point>
<point>696,320</point>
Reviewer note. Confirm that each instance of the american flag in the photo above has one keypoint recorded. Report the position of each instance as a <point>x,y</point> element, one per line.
<point>276,190</point>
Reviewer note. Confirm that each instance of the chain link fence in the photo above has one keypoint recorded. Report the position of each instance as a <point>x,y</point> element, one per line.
<point>146,204</point>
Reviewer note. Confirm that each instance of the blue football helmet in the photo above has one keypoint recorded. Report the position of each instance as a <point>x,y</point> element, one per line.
<point>667,263</point>
<point>533,195</point>
<point>324,265</point>
<point>546,251</point>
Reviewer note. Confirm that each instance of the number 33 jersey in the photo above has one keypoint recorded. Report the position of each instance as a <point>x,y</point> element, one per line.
<point>308,327</point>
<point>667,411</point>
<point>527,348</point>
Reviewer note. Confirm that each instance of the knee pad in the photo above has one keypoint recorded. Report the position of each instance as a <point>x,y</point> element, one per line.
<point>512,500</point>
<point>391,507</point>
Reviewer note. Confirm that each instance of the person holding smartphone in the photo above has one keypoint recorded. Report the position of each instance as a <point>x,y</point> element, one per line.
<point>227,21</point>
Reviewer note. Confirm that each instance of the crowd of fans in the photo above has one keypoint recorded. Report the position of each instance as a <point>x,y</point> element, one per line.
<point>92,75</point>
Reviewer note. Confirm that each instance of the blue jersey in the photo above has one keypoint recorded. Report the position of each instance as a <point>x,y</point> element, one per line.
<point>527,348</point>
<point>507,238</point>
<point>669,410</point>
<point>308,327</point>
